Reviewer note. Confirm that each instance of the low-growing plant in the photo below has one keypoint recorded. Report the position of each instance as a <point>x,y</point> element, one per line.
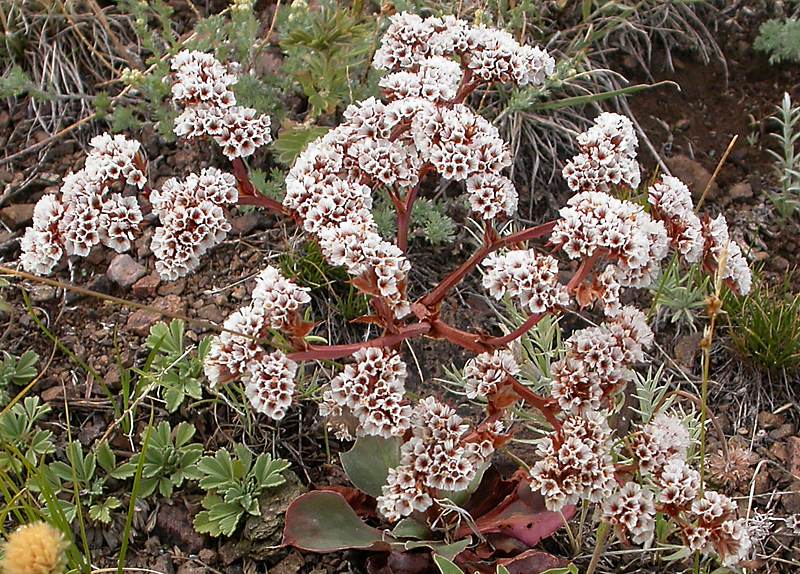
<point>426,471</point>
<point>83,483</point>
<point>176,369</point>
<point>21,436</point>
<point>680,295</point>
<point>765,325</point>
<point>16,371</point>
<point>787,158</point>
<point>780,40</point>
<point>233,485</point>
<point>169,460</point>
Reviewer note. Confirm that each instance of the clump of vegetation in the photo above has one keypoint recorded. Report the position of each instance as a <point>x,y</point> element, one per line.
<point>169,460</point>
<point>680,295</point>
<point>233,485</point>
<point>787,157</point>
<point>411,143</point>
<point>176,369</point>
<point>765,326</point>
<point>780,40</point>
<point>17,372</point>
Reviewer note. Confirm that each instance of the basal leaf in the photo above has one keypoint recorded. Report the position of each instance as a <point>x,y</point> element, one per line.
<point>367,464</point>
<point>322,521</point>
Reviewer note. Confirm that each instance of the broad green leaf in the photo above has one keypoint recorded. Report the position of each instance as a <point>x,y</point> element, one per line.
<point>445,566</point>
<point>322,521</point>
<point>449,551</point>
<point>410,528</point>
<point>292,141</point>
<point>105,457</point>
<point>367,464</point>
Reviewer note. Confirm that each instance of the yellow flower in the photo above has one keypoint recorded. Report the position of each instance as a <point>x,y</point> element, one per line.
<point>35,548</point>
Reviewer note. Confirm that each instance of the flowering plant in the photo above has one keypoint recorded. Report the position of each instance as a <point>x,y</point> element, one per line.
<point>433,485</point>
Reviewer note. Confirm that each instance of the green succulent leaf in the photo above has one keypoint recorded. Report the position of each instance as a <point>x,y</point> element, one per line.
<point>322,521</point>
<point>367,464</point>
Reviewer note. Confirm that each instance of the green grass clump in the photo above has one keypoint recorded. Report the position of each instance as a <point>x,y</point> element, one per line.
<point>765,325</point>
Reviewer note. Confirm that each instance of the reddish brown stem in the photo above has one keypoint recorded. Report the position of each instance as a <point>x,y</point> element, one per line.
<point>435,296</point>
<point>530,323</point>
<point>543,405</point>
<point>332,352</point>
<point>584,269</point>
<point>464,339</point>
<point>248,195</point>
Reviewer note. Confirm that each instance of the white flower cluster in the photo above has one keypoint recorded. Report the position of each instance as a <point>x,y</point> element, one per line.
<point>459,143</point>
<point>372,391</point>
<point>660,441</point>
<point>193,219</point>
<point>672,204</point>
<point>596,363</point>
<point>708,241</point>
<point>716,529</point>
<point>269,384</point>
<point>607,157</point>
<point>326,188</point>
<point>87,212</point>
<point>575,462</point>
<point>489,54</point>
<point>436,457</point>
<point>679,485</point>
<point>437,79</point>
<point>201,85</point>
<point>491,194</point>
<point>525,275</point>
<point>237,352</point>
<point>633,512</point>
<point>709,522</point>
<point>485,373</point>
<point>595,223</point>
<point>721,248</point>
<point>387,145</point>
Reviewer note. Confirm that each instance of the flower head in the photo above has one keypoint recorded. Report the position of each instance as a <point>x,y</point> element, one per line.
<point>607,156</point>
<point>35,548</point>
<point>486,372</point>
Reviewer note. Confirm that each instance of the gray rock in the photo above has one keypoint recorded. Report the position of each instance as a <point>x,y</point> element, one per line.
<point>124,270</point>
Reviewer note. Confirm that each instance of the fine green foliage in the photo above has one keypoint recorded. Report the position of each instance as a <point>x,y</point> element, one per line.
<point>787,157</point>
<point>435,225</point>
<point>170,459</point>
<point>21,437</point>
<point>765,326</point>
<point>429,221</point>
<point>780,39</point>
<point>233,486</point>
<point>16,371</point>
<point>327,53</point>
<point>680,294</point>
<point>177,369</point>
<point>85,483</point>
<point>16,83</point>
<point>651,393</point>
<point>270,184</point>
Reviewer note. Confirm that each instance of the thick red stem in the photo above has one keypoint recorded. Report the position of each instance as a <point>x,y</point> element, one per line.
<point>435,296</point>
<point>405,209</point>
<point>543,405</point>
<point>464,339</point>
<point>530,323</point>
<point>584,270</point>
<point>332,352</point>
